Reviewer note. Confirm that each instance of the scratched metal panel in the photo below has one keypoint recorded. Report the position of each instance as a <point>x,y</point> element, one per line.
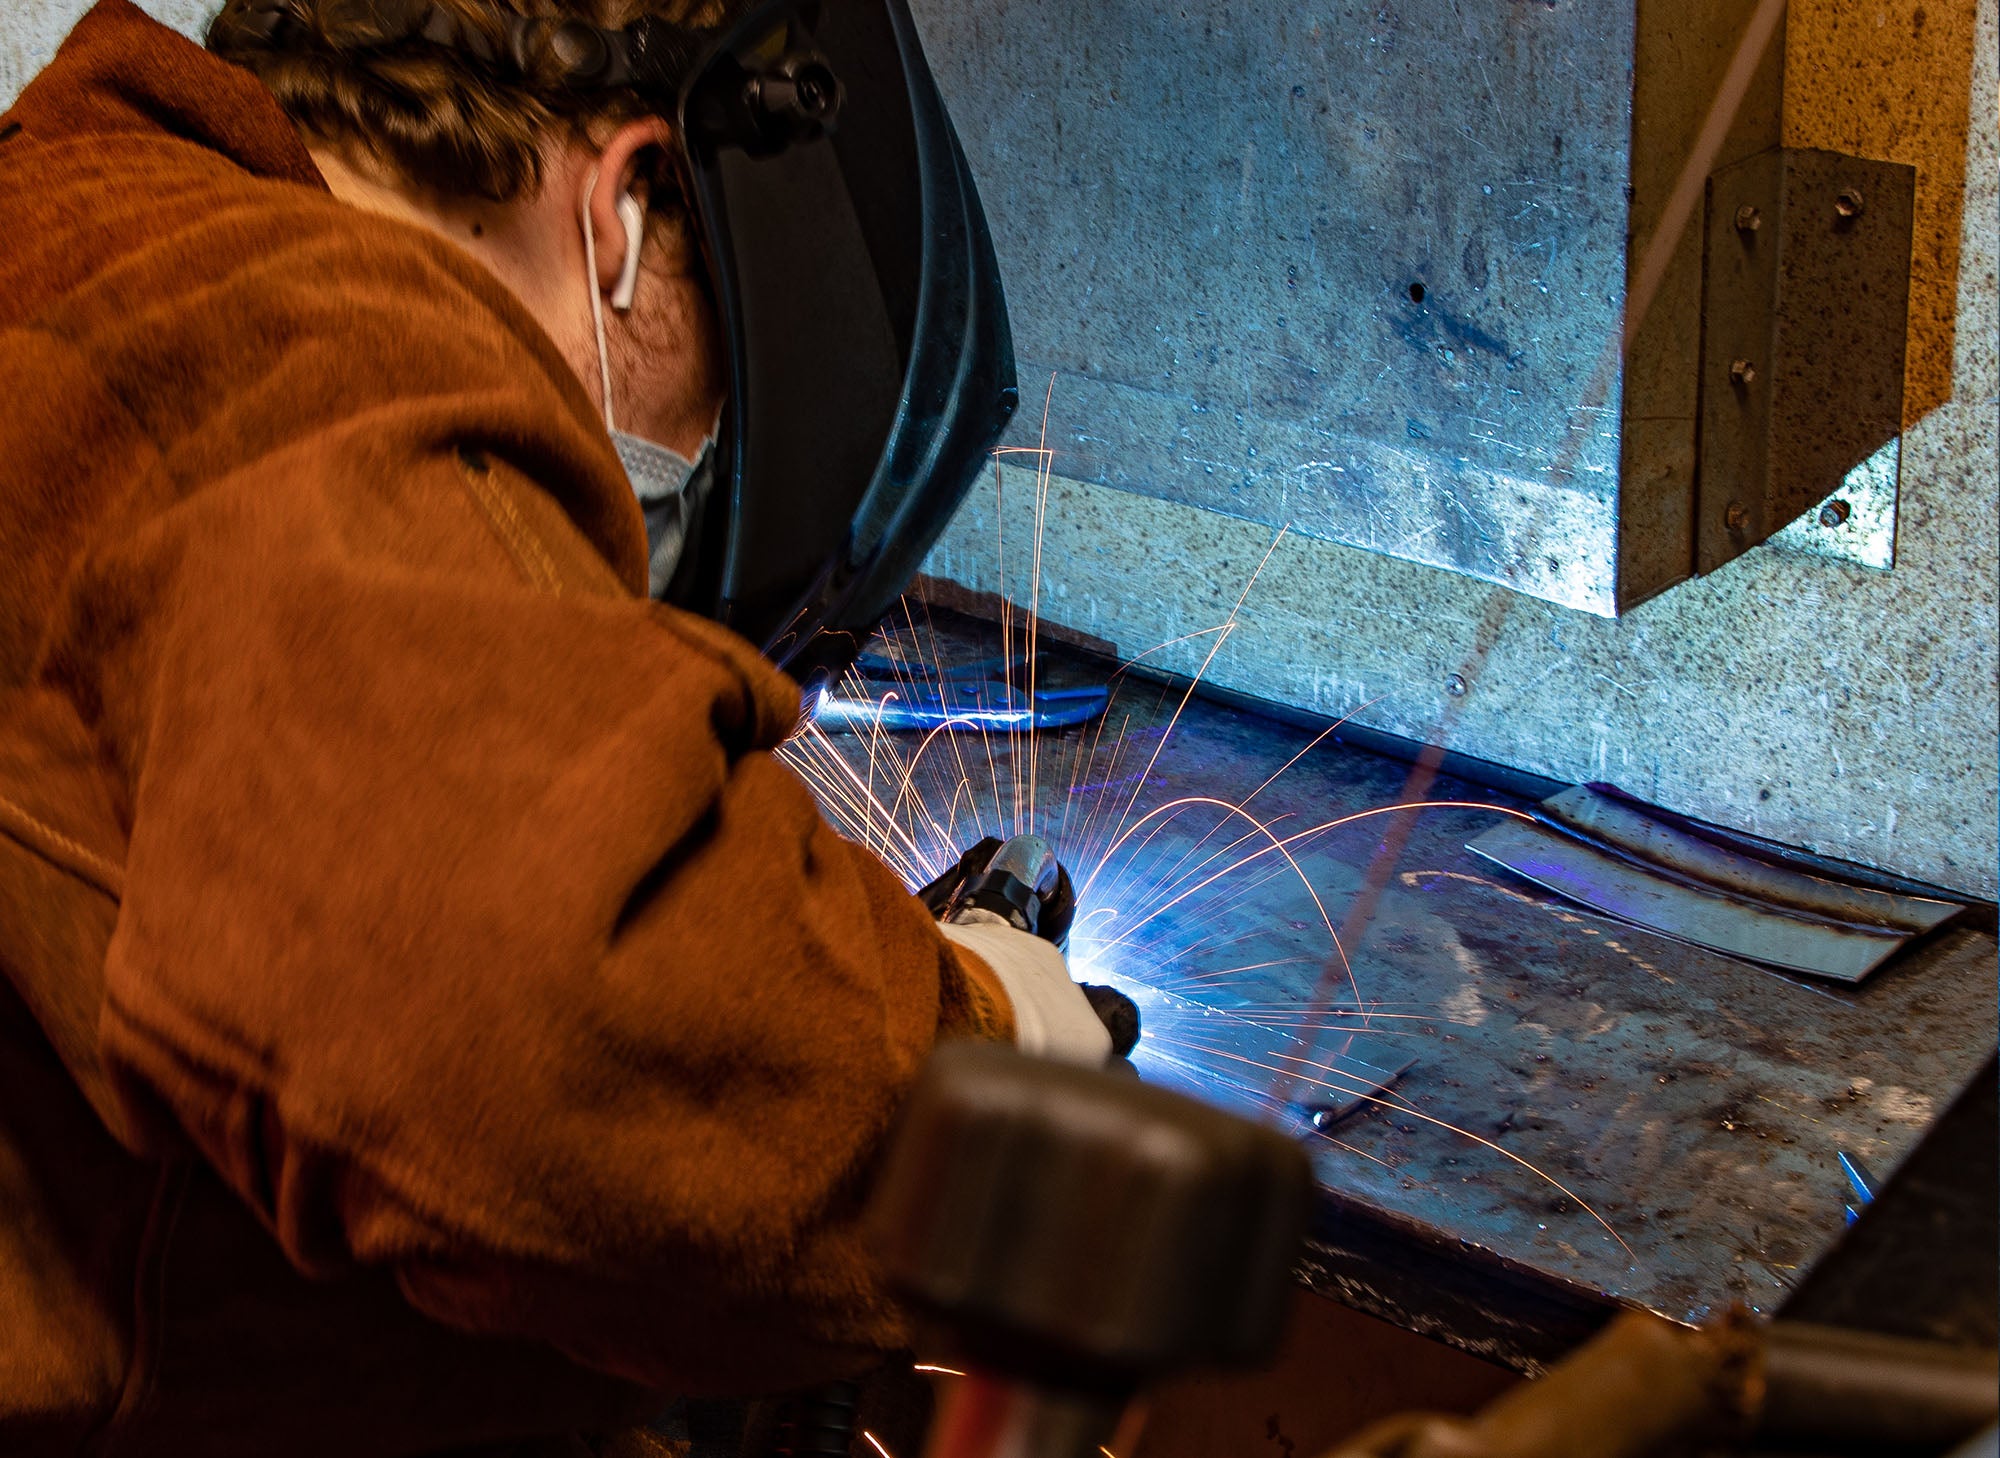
<point>1350,267</point>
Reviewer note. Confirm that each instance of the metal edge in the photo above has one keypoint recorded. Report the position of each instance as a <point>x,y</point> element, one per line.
<point>1449,1290</point>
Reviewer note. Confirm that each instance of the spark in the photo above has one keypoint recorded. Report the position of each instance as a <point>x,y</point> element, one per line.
<point>1214,648</point>
<point>875,1443</point>
<point>1406,1111</point>
<point>1276,844</point>
<point>1159,926</point>
<point>1282,847</point>
<point>936,1370</point>
<point>1045,470</point>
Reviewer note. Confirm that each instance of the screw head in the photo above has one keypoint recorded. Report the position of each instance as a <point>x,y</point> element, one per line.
<point>1742,372</point>
<point>1849,204</point>
<point>1736,517</point>
<point>1456,686</point>
<point>1748,219</point>
<point>1835,513</point>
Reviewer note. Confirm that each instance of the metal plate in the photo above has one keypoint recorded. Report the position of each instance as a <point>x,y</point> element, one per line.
<point>1632,893</point>
<point>1351,268</point>
<point>1630,828</point>
<point>1857,523</point>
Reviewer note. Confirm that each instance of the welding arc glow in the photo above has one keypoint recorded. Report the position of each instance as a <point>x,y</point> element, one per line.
<point>1258,826</point>
<point>917,809</point>
<point>920,840</point>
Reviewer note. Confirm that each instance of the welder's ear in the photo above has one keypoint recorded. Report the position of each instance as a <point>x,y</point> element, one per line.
<point>625,165</point>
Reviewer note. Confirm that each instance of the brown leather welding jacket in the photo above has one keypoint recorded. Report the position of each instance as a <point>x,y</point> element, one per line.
<point>424,992</point>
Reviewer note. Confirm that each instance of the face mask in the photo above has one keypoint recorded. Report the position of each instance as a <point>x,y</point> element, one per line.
<point>669,486</point>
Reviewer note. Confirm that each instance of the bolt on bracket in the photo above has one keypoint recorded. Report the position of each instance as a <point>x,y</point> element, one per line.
<point>1805,314</point>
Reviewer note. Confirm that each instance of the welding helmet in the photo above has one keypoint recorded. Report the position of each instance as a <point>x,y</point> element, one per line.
<point>869,364</point>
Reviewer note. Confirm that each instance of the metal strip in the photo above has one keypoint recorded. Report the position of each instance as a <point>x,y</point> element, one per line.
<point>1621,826</point>
<point>1705,918</point>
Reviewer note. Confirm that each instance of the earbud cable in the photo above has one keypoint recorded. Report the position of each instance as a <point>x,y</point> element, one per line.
<point>596,302</point>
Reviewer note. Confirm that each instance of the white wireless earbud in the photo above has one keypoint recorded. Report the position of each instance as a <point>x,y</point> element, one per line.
<point>633,216</point>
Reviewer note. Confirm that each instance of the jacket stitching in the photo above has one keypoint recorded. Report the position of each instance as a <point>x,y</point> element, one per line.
<point>76,858</point>
<point>520,539</point>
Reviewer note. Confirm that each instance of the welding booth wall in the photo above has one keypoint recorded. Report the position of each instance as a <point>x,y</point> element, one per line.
<point>1847,710</point>
<point>30,31</point>
<point>1819,703</point>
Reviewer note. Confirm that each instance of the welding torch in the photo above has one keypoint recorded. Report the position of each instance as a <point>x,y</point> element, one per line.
<point>1022,882</point>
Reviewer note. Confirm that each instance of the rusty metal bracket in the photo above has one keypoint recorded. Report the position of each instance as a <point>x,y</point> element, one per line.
<point>1805,313</point>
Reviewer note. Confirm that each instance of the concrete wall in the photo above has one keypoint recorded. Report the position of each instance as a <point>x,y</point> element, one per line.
<point>1848,710</point>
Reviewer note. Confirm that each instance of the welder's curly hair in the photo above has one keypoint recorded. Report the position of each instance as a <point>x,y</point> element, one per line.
<point>437,115</point>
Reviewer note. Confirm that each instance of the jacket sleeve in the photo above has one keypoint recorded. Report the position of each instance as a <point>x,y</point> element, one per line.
<point>472,928</point>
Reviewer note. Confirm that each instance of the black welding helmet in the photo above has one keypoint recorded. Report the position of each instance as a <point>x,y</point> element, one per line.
<point>869,364</point>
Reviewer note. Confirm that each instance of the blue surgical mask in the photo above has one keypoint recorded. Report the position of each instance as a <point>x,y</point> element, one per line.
<point>670,489</point>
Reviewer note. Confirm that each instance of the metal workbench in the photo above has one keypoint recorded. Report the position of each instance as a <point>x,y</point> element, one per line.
<point>1696,1103</point>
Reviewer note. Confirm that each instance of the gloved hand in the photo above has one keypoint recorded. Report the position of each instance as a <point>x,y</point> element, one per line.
<point>1053,1017</point>
<point>940,893</point>
<point>1020,884</point>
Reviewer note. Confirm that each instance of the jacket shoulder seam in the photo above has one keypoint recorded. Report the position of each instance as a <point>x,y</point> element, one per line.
<point>62,851</point>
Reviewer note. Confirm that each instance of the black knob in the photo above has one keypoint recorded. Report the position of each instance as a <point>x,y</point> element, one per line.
<point>1078,1230</point>
<point>794,100</point>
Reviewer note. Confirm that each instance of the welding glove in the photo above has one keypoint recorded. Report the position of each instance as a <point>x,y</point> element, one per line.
<point>1052,1016</point>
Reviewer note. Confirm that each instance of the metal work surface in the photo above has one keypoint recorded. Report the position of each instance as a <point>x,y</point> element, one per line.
<point>1350,267</point>
<point>1594,1112</point>
<point>1923,1259</point>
